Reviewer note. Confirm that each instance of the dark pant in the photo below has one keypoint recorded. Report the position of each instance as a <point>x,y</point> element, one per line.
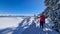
<point>41,24</point>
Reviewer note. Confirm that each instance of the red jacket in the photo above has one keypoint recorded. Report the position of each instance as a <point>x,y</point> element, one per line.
<point>42,18</point>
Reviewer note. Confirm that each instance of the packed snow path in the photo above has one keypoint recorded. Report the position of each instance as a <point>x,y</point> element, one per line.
<point>28,25</point>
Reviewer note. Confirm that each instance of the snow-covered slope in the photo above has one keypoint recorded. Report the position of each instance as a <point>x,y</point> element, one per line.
<point>15,23</point>
<point>26,25</point>
<point>9,22</point>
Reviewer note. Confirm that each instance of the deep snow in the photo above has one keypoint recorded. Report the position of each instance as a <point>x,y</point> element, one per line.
<point>28,25</point>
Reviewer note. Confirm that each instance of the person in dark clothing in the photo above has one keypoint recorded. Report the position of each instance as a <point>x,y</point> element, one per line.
<point>42,20</point>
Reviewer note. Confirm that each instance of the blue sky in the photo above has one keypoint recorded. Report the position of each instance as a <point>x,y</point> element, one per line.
<point>21,6</point>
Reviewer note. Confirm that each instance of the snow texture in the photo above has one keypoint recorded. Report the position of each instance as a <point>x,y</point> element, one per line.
<point>26,25</point>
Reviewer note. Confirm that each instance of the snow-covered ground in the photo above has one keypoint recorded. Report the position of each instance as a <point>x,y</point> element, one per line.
<point>23,25</point>
<point>6,22</point>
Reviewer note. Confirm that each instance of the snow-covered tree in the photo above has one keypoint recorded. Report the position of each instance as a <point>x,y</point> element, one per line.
<point>53,11</point>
